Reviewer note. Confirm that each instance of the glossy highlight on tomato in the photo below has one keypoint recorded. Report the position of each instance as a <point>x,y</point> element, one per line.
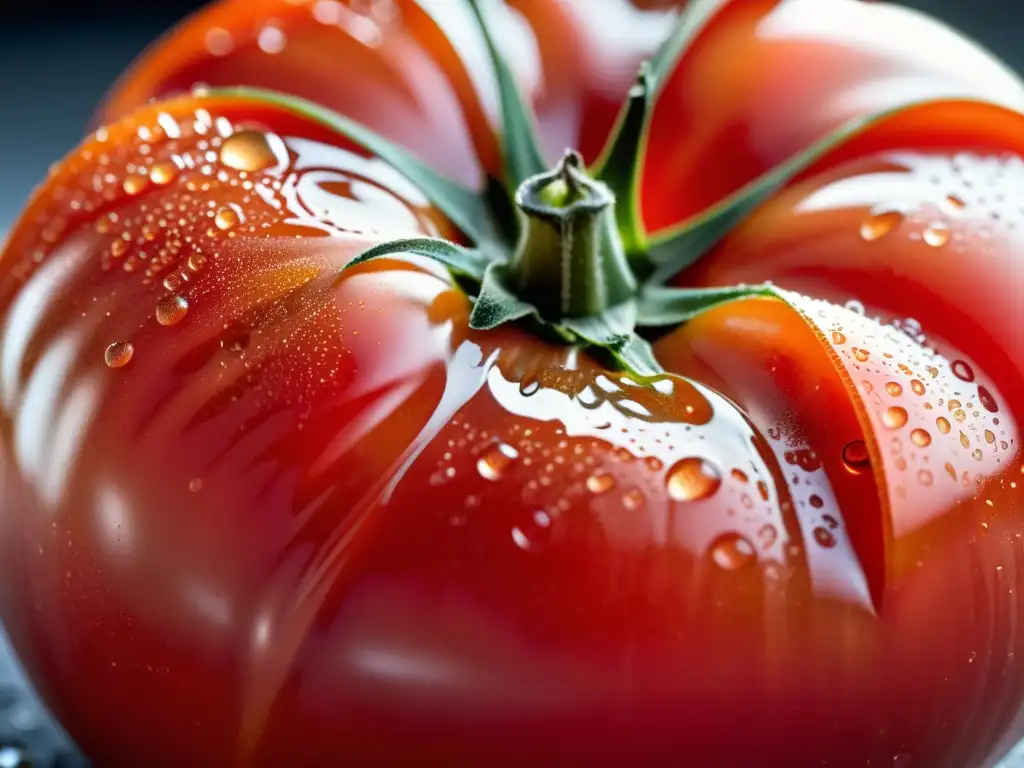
<point>264,506</point>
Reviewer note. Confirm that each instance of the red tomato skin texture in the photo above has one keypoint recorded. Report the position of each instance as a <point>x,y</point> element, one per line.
<point>261,512</point>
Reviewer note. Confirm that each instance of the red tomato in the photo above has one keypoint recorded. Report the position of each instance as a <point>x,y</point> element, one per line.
<point>261,512</point>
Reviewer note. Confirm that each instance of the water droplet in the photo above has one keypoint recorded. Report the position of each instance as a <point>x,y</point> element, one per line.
<point>856,458</point>
<point>861,355</point>
<point>955,202</point>
<point>693,478</point>
<point>248,151</point>
<point>133,184</point>
<point>271,39</point>
<point>838,338</point>
<point>226,218</point>
<point>633,499</point>
<point>816,501</point>
<point>936,235</point>
<point>730,552</point>
<point>163,173</point>
<point>824,537</point>
<point>962,370</point>
<point>893,389</point>
<point>493,464</point>
<point>762,489</point>
<point>917,387</point>
<point>534,534</point>
<point>172,282</point>
<point>990,436</point>
<point>920,438</point>
<point>987,401</point>
<point>960,415</point>
<point>529,387</point>
<point>767,533</point>
<point>943,424</point>
<point>901,760</point>
<point>830,521</point>
<point>924,477</point>
<point>119,354</point>
<point>196,262</point>
<point>880,224</point>
<point>171,309</point>
<point>965,441</point>
<point>218,42</point>
<point>600,483</point>
<point>895,417</point>
<point>195,484</point>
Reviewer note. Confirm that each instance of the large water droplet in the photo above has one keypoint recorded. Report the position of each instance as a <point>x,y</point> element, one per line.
<point>856,458</point>
<point>493,464</point>
<point>917,387</point>
<point>962,370</point>
<point>895,417</point>
<point>936,234</point>
<point>693,478</point>
<point>880,224</point>
<point>600,482</point>
<point>893,389</point>
<point>119,354</point>
<point>730,552</point>
<point>247,151</point>
<point>171,309</point>
<point>920,438</point>
<point>987,401</point>
<point>943,425</point>
<point>163,173</point>
<point>226,218</point>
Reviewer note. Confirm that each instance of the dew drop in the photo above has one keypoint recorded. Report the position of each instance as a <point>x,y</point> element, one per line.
<point>762,489</point>
<point>493,464</point>
<point>955,202</point>
<point>917,387</point>
<point>534,534</point>
<point>856,458</point>
<point>218,42</point>
<point>830,521</point>
<point>119,354</point>
<point>163,173</point>
<point>943,425</point>
<point>824,537</point>
<point>693,478</point>
<point>767,534</point>
<point>895,417</point>
<point>196,262</point>
<point>962,370</point>
<point>924,477</point>
<point>816,501</point>
<point>633,499</point>
<point>195,484</point>
<point>730,552</point>
<point>248,151</point>
<point>600,483</point>
<point>172,282</point>
<point>965,441</point>
<point>861,355</point>
<point>893,389</point>
<point>987,401</point>
<point>838,338</point>
<point>226,218</point>
<point>271,40</point>
<point>936,235</point>
<point>879,225</point>
<point>171,310</point>
<point>134,184</point>
<point>920,438</point>
<point>739,475</point>
<point>990,436</point>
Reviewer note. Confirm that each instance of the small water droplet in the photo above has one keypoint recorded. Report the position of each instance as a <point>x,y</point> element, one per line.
<point>924,477</point>
<point>767,534</point>
<point>824,537</point>
<point>917,387</point>
<point>955,202</point>
<point>880,224</point>
<point>990,436</point>
<point>861,355</point>
<point>943,425</point>
<point>218,42</point>
<point>271,39</point>
<point>693,478</point>
<point>172,283</point>
<point>195,484</point>
<point>730,552</point>
<point>987,401</point>
<point>163,173</point>
<point>762,489</point>
<point>134,183</point>
<point>920,438</point>
<point>962,370</point>
<point>119,354</point>
<point>901,760</point>
<point>936,234</point>
<point>893,389</point>
<point>493,464</point>
<point>838,338</point>
<point>895,417</point>
<point>816,501</point>
<point>534,534</point>
<point>171,309</point>
<point>739,475</point>
<point>633,499</point>
<point>965,441</point>
<point>600,483</point>
<point>856,458</point>
<point>226,218</point>
<point>196,262</point>
<point>248,151</point>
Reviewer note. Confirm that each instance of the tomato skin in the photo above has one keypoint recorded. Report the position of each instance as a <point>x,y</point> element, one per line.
<point>318,516</point>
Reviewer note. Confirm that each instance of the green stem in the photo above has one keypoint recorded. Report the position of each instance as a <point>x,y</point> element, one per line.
<point>569,261</point>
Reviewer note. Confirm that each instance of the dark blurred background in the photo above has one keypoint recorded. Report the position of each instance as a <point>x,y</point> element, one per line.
<point>57,59</point>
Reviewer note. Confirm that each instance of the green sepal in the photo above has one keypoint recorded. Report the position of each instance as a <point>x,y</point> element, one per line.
<point>621,163</point>
<point>610,329</point>
<point>638,358</point>
<point>467,209</point>
<point>496,304</point>
<point>521,150</point>
<point>462,261</point>
<point>674,249</point>
<point>663,305</point>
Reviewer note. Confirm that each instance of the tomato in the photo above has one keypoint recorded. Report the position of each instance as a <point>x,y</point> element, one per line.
<point>271,501</point>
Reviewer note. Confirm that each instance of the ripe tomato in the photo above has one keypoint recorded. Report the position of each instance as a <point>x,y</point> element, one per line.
<point>265,506</point>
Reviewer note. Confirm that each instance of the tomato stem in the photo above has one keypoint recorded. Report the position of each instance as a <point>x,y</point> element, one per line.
<point>569,261</point>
